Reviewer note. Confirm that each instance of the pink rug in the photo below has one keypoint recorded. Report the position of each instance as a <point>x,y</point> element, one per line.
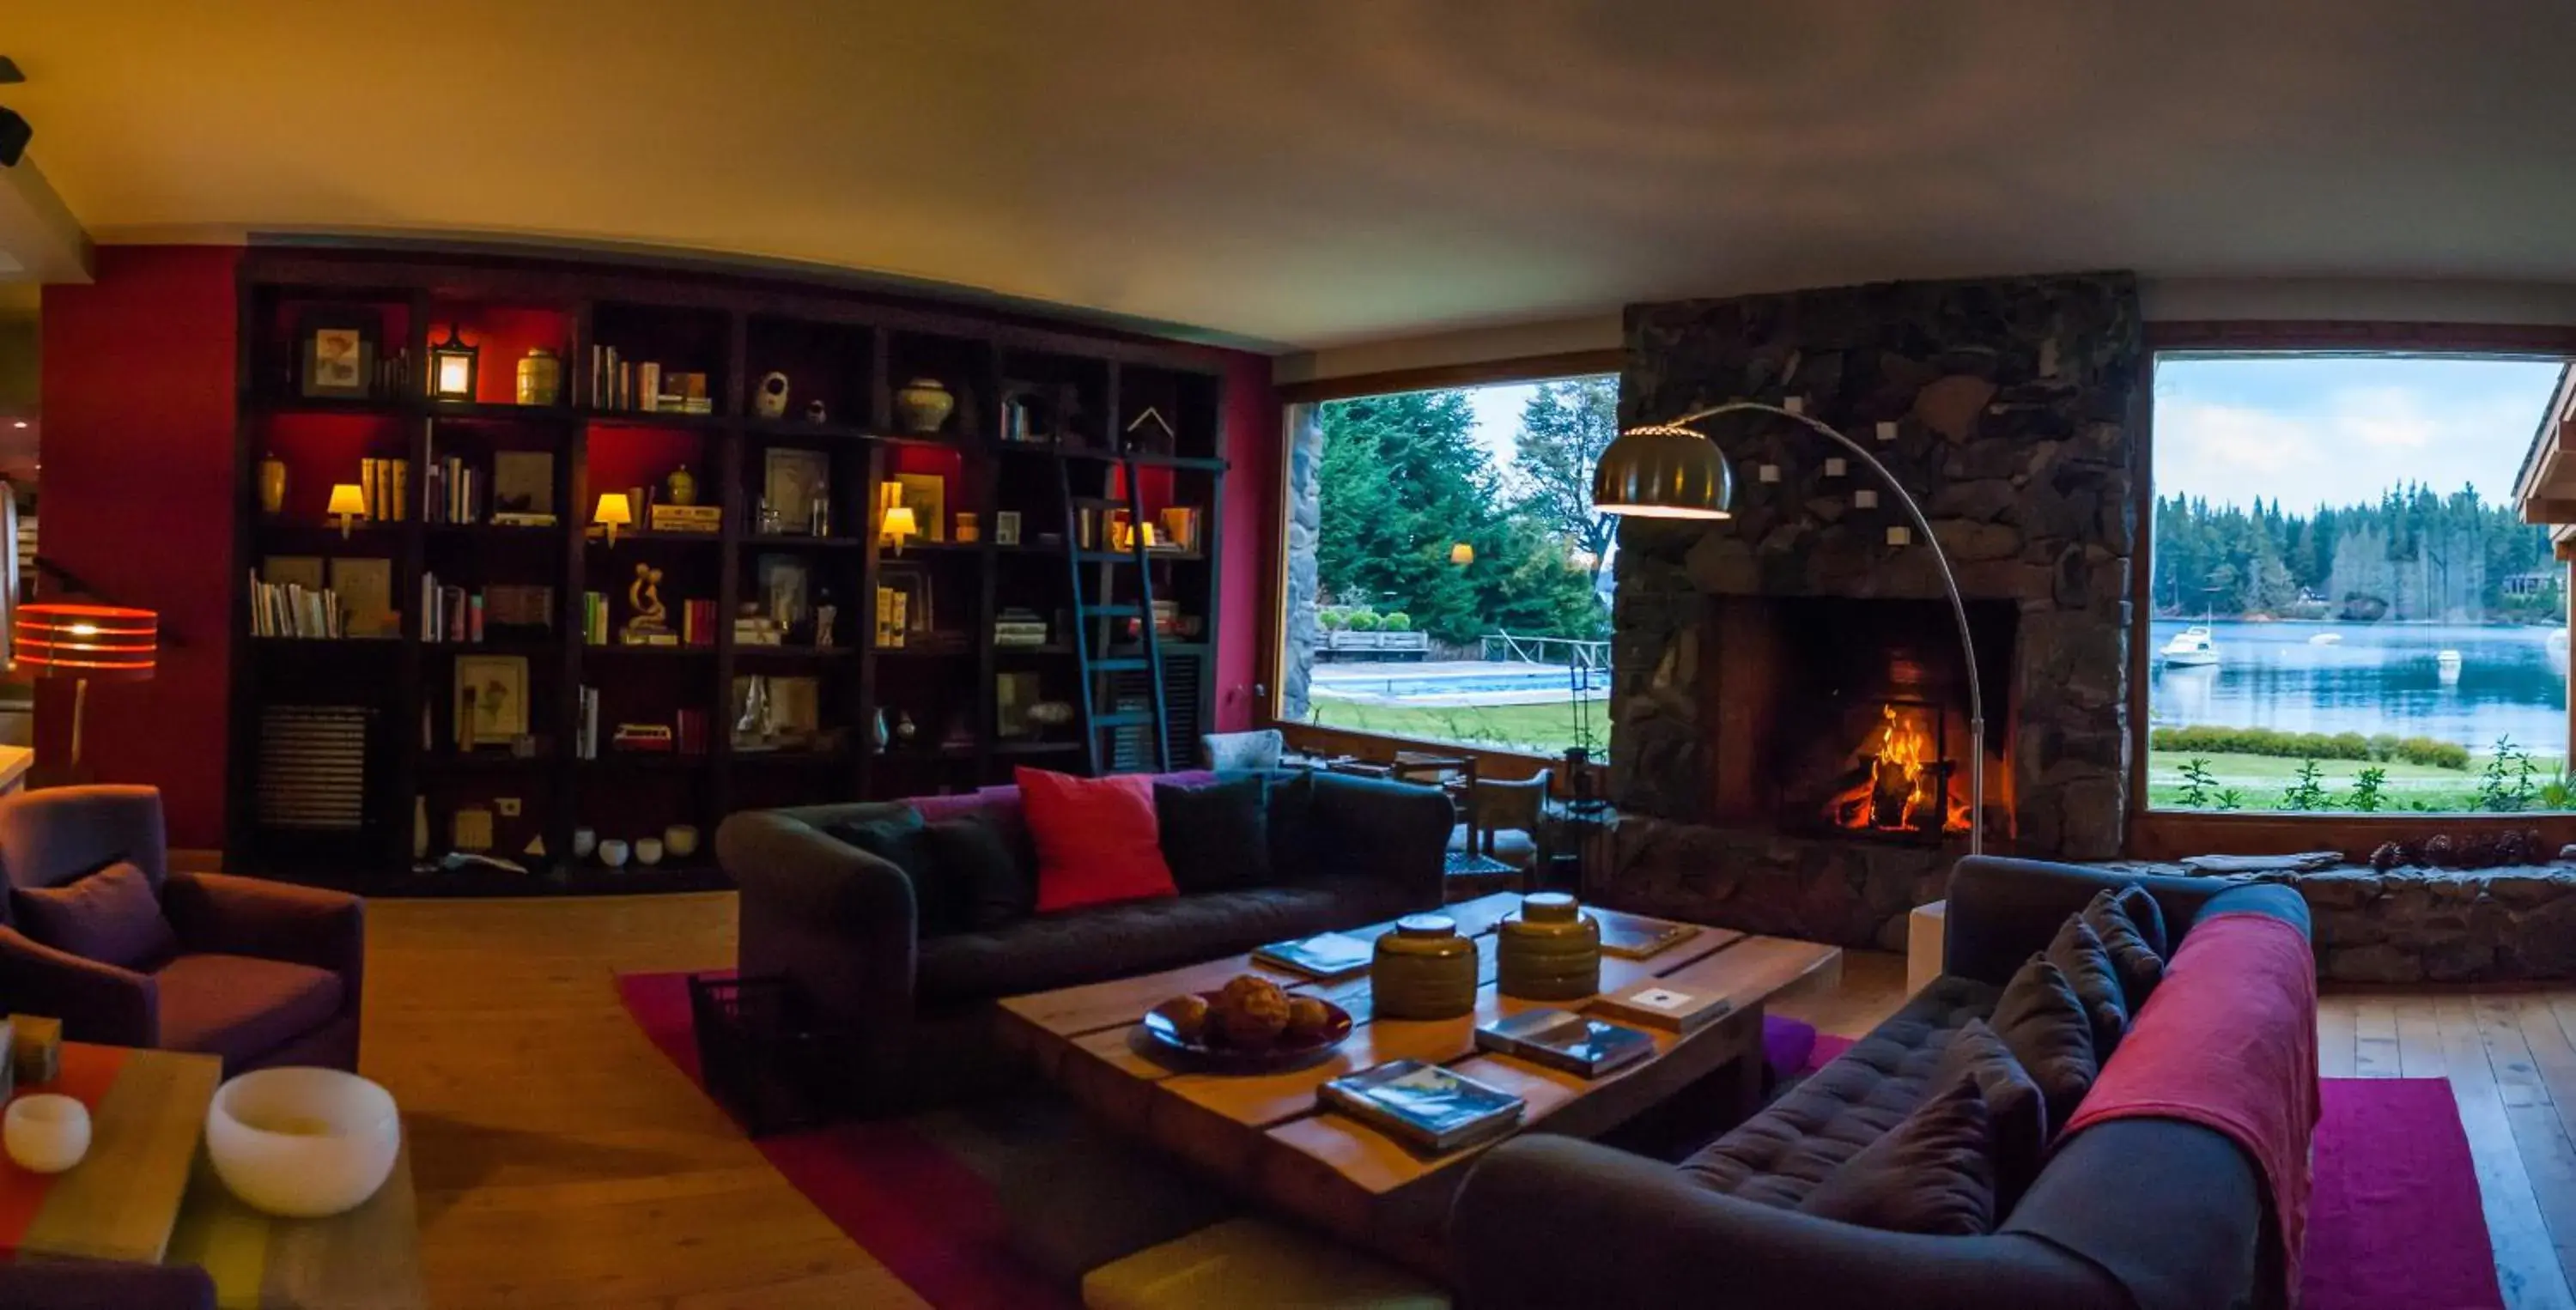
<point>2394,1222</point>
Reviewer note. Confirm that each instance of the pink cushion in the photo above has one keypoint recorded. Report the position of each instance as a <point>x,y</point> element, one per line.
<point>240,1007</point>
<point>111,916</point>
<point>1097,839</point>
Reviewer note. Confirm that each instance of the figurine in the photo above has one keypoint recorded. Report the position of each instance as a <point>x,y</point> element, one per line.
<point>904,728</point>
<point>770,401</point>
<point>644,594</point>
<point>823,615</point>
<point>814,411</point>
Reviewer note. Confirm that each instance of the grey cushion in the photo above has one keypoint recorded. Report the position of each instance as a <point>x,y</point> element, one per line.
<point>1781,1154</point>
<point>1120,941</point>
<point>2015,1112</point>
<point>2140,964</point>
<point>1216,837</point>
<point>2041,1019</point>
<point>1931,1174</point>
<point>2148,914</point>
<point>2079,954</point>
<point>973,867</point>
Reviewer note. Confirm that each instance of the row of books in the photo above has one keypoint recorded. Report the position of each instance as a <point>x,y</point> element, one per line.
<point>619,383</point>
<point>1019,628</point>
<point>451,613</point>
<point>386,485</point>
<point>894,614</point>
<point>292,609</point>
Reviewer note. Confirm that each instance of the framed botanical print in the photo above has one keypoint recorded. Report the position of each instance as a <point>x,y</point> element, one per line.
<point>336,355</point>
<point>792,480</point>
<point>491,699</point>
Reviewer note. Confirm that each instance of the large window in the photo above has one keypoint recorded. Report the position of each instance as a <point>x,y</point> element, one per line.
<point>2350,612</point>
<point>1448,579</point>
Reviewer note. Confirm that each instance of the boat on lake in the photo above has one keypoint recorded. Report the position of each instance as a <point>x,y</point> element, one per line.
<point>2448,664</point>
<point>2326,639</point>
<point>2190,648</point>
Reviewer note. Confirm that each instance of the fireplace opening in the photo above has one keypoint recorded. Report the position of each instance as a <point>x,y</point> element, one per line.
<point>1850,717</point>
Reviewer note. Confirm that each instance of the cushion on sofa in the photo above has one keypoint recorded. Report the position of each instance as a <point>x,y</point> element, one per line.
<point>973,862</point>
<point>1096,838</point>
<point>2080,955</point>
<point>2015,1113</point>
<point>110,916</point>
<point>1932,1174</point>
<point>239,1007</point>
<point>1782,1153</point>
<point>2041,1019</point>
<point>2143,910</point>
<point>1216,837</point>
<point>1117,941</point>
<point>2140,965</point>
<point>940,904</point>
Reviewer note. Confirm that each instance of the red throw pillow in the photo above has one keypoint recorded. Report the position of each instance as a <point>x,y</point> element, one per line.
<point>1096,839</point>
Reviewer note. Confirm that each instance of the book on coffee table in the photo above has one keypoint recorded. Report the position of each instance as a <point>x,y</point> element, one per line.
<point>1325,957</point>
<point>1562,1039</point>
<point>1656,1004</point>
<point>1423,1105</point>
<point>1631,937</point>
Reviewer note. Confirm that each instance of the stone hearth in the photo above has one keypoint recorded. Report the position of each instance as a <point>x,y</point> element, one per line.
<point>2012,410</point>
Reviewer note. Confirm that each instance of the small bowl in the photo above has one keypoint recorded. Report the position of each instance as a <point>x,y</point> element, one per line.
<point>612,853</point>
<point>46,1132</point>
<point>681,840</point>
<point>303,1143</point>
<point>648,850</point>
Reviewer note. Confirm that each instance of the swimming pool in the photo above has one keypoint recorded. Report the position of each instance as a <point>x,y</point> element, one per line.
<point>1487,684</point>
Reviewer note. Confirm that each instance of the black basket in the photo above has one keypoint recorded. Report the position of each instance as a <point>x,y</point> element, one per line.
<point>763,1055</point>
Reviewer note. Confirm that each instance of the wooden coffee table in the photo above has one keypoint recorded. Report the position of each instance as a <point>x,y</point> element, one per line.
<point>1263,1135</point>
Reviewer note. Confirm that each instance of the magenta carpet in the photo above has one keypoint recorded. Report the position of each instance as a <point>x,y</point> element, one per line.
<point>2394,1221</point>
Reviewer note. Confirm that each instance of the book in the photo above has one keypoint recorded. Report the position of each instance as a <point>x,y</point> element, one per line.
<point>1423,1105</point>
<point>1633,937</point>
<point>1562,1039</point>
<point>1656,1004</point>
<point>1325,957</point>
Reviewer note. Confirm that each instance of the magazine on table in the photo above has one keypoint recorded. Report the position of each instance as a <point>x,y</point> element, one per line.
<point>1562,1039</point>
<point>1425,1106</point>
<point>1326,957</point>
<point>1659,1004</point>
<point>1634,937</point>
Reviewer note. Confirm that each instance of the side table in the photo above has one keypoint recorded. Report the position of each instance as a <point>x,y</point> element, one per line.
<point>1924,929</point>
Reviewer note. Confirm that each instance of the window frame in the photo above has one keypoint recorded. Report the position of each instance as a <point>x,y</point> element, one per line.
<point>2155,834</point>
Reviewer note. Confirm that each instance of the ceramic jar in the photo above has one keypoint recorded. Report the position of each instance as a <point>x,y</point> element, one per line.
<point>272,485</point>
<point>681,487</point>
<point>922,405</point>
<point>770,400</point>
<point>648,850</point>
<point>1548,950</point>
<point>540,377</point>
<point>1423,970</point>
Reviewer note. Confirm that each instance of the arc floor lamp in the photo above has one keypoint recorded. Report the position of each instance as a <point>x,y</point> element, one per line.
<point>1672,470</point>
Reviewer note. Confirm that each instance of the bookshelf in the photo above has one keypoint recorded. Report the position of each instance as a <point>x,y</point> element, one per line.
<point>515,602</point>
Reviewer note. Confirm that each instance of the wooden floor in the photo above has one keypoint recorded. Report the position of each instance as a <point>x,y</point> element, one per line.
<point>562,1161</point>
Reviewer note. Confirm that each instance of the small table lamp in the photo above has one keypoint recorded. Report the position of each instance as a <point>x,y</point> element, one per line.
<point>613,513</point>
<point>899,522</point>
<point>348,504</point>
<point>83,642</point>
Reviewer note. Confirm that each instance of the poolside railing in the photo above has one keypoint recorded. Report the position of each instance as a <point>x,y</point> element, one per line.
<point>1504,646</point>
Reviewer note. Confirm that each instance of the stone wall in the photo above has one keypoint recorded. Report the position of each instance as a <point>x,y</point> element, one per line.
<point>1305,520</point>
<point>2439,925</point>
<point>2012,403</point>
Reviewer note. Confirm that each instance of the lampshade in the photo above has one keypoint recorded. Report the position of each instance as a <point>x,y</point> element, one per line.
<point>1462,554</point>
<point>1663,471</point>
<point>899,522</point>
<point>349,499</point>
<point>104,642</point>
<point>613,510</point>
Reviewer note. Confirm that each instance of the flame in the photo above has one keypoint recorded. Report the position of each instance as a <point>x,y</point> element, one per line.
<point>1901,778</point>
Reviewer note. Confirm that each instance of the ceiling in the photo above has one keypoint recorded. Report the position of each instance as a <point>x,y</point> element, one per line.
<point>1309,174</point>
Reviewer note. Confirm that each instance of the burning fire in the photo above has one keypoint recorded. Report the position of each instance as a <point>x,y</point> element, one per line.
<point>1901,784</point>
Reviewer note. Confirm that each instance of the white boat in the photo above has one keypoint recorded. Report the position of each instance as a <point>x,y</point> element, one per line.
<point>2447,663</point>
<point>2191,648</point>
<point>2326,639</point>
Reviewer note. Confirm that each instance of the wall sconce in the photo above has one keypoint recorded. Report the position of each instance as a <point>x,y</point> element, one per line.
<point>348,504</point>
<point>613,513</point>
<point>452,368</point>
<point>1462,554</point>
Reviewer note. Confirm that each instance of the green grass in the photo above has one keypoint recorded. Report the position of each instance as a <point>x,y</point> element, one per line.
<point>1538,729</point>
<point>2262,779</point>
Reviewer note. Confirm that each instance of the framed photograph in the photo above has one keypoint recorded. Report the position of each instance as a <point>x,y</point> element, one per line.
<point>792,480</point>
<point>491,699</point>
<point>1006,527</point>
<point>336,355</point>
<point>523,482</point>
<point>784,588</point>
<point>1180,529</point>
<point>912,583</point>
<point>927,494</point>
<point>1013,694</point>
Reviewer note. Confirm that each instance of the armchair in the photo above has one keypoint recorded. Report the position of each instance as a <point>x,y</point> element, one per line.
<point>264,973</point>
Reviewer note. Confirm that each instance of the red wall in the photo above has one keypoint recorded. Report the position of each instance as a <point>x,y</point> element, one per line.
<point>136,499</point>
<point>139,483</point>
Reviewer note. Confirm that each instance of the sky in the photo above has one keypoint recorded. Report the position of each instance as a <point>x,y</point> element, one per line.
<point>2313,430</point>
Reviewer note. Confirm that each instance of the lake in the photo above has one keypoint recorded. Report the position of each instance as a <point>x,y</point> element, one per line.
<point>2376,678</point>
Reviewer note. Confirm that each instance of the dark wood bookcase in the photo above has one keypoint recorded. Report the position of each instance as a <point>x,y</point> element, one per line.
<point>850,351</point>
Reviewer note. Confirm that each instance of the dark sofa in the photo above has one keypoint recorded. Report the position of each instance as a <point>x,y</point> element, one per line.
<point>2144,1213</point>
<point>844,923</point>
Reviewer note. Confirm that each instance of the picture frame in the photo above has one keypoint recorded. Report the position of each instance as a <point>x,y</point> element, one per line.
<point>785,588</point>
<point>791,480</point>
<point>1006,527</point>
<point>1013,694</point>
<point>914,583</point>
<point>927,494</point>
<point>523,482</point>
<point>335,354</point>
<point>491,699</point>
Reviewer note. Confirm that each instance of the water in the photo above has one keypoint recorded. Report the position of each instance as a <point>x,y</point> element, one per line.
<point>2378,678</point>
<point>1556,680</point>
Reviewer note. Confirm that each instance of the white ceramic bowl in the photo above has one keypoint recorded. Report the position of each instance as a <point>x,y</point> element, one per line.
<point>648,850</point>
<point>46,1132</point>
<point>612,853</point>
<point>302,1143</point>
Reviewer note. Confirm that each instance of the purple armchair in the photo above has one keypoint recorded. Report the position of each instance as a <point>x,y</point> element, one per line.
<point>264,973</point>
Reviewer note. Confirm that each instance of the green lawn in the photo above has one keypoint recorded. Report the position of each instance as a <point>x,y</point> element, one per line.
<point>1538,729</point>
<point>2260,780</point>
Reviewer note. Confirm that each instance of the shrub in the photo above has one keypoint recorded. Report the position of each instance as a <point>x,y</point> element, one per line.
<point>1333,617</point>
<point>2210,739</point>
<point>1398,621</point>
<point>1364,621</point>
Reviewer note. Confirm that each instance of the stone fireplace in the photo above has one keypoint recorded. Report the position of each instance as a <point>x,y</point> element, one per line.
<point>1789,740</point>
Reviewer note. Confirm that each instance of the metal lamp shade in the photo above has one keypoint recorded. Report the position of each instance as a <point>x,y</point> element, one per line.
<point>102,642</point>
<point>1663,471</point>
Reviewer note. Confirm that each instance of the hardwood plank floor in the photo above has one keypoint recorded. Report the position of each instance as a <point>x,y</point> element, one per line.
<point>561,1161</point>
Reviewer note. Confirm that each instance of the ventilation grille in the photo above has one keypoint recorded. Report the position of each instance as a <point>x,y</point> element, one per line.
<point>313,767</point>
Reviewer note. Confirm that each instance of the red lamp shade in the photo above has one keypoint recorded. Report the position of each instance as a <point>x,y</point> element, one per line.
<point>102,642</point>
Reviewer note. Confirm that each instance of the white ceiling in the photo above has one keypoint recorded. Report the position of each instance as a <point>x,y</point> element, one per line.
<point>1315,173</point>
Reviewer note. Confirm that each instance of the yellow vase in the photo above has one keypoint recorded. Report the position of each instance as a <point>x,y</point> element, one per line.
<point>1423,970</point>
<point>1549,950</point>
